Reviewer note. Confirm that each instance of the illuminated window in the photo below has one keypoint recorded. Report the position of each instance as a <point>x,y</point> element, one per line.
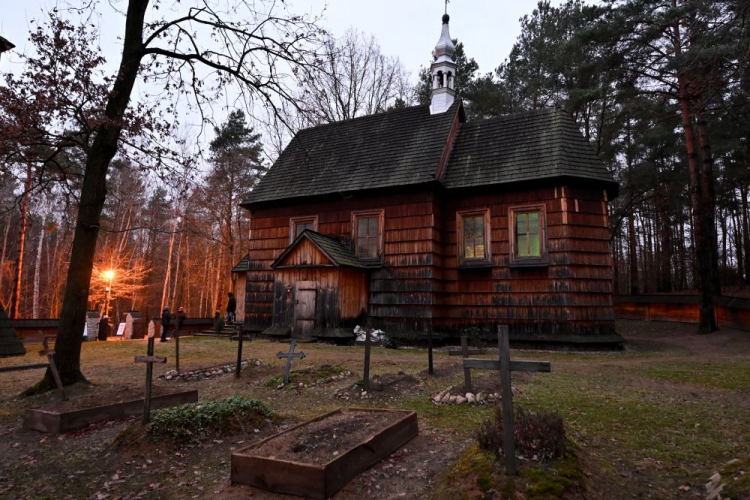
<point>528,238</point>
<point>473,237</point>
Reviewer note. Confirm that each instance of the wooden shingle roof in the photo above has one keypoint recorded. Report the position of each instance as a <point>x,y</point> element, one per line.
<point>403,147</point>
<point>10,343</point>
<point>527,146</point>
<point>243,265</point>
<point>394,148</point>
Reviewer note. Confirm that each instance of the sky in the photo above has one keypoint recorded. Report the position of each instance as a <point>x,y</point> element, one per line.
<point>407,29</point>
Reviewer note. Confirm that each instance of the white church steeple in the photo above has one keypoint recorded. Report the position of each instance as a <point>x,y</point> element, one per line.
<point>443,71</point>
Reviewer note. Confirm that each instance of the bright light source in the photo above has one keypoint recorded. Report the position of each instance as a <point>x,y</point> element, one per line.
<point>109,274</point>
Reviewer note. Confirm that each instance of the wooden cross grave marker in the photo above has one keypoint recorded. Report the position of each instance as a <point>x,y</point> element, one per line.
<point>240,333</point>
<point>464,353</point>
<point>367,343</point>
<point>289,355</point>
<point>505,366</point>
<point>149,359</point>
<point>50,353</point>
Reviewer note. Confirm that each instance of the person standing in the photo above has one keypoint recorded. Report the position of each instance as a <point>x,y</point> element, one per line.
<point>103,332</point>
<point>231,308</point>
<point>165,320</point>
<point>179,321</point>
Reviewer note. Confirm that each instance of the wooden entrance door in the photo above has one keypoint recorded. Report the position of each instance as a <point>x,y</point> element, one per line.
<point>304,308</point>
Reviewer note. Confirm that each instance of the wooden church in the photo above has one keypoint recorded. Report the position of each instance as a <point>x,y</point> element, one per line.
<point>418,220</point>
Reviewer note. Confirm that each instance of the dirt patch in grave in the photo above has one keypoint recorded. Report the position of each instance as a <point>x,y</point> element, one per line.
<point>322,441</point>
<point>321,376</point>
<point>103,395</point>
<point>390,385</point>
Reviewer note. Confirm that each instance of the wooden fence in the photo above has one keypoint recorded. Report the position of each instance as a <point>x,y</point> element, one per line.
<point>733,312</point>
<point>28,329</point>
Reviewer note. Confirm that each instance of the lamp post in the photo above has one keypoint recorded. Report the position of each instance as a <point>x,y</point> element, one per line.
<point>108,275</point>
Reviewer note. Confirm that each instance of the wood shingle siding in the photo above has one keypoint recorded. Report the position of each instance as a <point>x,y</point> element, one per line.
<point>388,168</point>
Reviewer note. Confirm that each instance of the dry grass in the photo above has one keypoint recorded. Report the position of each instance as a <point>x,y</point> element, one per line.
<point>664,414</point>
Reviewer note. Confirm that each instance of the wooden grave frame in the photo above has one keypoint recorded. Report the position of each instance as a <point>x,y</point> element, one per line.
<point>58,422</point>
<point>322,480</point>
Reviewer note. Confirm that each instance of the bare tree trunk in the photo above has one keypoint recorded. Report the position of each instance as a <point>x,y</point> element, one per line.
<point>93,194</point>
<point>37,274</point>
<point>745,228</point>
<point>15,298</point>
<point>2,257</point>
<point>738,246</point>
<point>665,258</point>
<point>168,270</point>
<point>724,255</point>
<point>632,253</point>
<point>708,201</point>
<point>176,273</point>
<point>187,266</point>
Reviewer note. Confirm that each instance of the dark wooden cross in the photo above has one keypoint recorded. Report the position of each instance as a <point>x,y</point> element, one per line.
<point>149,359</point>
<point>505,366</point>
<point>240,332</point>
<point>289,356</point>
<point>50,353</point>
<point>367,343</point>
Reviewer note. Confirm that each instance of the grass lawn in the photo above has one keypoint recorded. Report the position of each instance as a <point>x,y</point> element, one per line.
<point>656,420</point>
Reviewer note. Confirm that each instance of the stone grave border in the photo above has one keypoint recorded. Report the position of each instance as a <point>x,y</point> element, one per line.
<point>322,480</point>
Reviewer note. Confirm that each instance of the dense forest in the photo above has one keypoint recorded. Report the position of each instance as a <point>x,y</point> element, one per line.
<point>659,87</point>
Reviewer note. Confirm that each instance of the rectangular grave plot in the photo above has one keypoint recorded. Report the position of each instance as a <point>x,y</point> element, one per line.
<point>322,480</point>
<point>59,422</point>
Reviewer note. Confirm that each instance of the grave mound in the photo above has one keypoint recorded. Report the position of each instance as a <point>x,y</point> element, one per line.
<point>323,375</point>
<point>390,385</point>
<point>195,423</point>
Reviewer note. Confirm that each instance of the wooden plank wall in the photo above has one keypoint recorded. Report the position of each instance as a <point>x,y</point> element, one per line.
<point>572,295</point>
<point>400,294</point>
<point>326,301</point>
<point>730,312</point>
<point>420,286</point>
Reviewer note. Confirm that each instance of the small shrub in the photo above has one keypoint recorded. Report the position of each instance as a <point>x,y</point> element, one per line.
<point>539,436</point>
<point>197,422</point>
<point>391,342</point>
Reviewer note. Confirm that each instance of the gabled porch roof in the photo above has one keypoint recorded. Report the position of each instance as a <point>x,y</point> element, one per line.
<point>335,252</point>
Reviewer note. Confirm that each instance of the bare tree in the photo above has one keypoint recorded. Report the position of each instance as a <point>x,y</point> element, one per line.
<point>198,50</point>
<point>354,79</point>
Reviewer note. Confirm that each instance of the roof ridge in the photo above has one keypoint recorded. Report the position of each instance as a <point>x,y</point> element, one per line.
<point>364,117</point>
<point>520,114</point>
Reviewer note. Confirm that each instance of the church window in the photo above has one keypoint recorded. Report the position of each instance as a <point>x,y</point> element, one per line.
<point>473,231</point>
<point>528,236</point>
<point>367,227</point>
<point>299,224</point>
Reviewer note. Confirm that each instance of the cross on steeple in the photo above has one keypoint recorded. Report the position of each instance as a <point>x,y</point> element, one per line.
<point>446,5</point>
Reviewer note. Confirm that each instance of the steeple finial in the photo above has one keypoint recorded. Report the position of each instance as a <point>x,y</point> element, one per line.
<point>443,70</point>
